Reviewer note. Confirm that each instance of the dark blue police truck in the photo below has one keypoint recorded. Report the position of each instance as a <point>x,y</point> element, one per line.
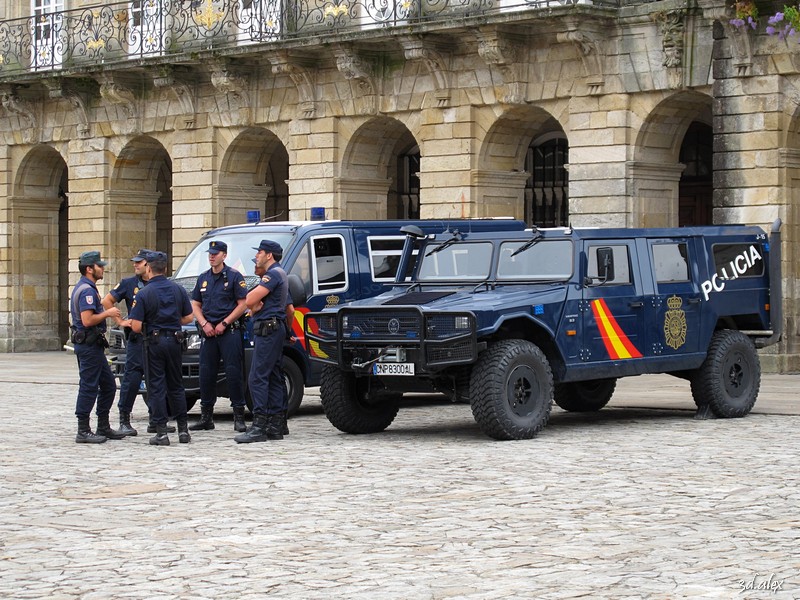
<point>512,321</point>
<point>336,261</point>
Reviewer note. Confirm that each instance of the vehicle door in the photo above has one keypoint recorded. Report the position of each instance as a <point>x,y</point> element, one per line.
<point>613,307</point>
<point>673,316</point>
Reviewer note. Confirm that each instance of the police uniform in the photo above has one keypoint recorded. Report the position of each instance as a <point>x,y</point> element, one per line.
<point>266,376</point>
<point>218,295</point>
<point>97,383</point>
<point>160,306</point>
<point>134,370</point>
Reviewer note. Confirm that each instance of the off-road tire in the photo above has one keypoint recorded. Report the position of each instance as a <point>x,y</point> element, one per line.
<point>730,377</point>
<point>584,396</point>
<point>350,407</point>
<point>295,384</point>
<point>511,390</point>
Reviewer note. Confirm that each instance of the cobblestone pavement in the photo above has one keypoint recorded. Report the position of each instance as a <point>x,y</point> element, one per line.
<point>630,502</point>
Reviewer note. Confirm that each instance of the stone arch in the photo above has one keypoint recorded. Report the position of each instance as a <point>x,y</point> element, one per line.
<point>139,200</point>
<point>655,171</point>
<point>253,175</point>
<point>501,181</point>
<point>367,187</point>
<point>39,264</point>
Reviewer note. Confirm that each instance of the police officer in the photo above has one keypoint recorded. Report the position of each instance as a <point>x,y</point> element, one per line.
<point>158,312</point>
<point>267,301</point>
<point>218,300</point>
<point>97,384</point>
<point>134,372</point>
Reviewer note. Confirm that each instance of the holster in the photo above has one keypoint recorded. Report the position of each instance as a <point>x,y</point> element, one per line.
<point>266,326</point>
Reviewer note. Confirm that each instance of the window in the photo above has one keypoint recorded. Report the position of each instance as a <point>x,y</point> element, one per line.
<point>465,261</point>
<point>384,257</point>
<point>259,20</point>
<point>330,272</point>
<point>622,268</point>
<point>48,33</point>
<point>669,263</point>
<point>738,260</point>
<point>145,29</point>
<point>545,261</point>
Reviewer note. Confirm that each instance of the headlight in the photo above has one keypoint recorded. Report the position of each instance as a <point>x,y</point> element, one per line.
<point>193,341</point>
<point>462,322</point>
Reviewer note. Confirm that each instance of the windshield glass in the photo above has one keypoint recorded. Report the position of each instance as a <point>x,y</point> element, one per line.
<point>543,260</point>
<point>241,251</point>
<point>463,261</point>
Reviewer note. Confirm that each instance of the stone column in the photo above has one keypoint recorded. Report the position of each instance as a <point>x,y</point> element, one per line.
<point>499,193</point>
<point>655,190</point>
<point>313,169</point>
<point>132,223</point>
<point>234,200</point>
<point>362,198</point>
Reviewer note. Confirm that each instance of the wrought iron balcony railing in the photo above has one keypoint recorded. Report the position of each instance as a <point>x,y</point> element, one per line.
<point>141,29</point>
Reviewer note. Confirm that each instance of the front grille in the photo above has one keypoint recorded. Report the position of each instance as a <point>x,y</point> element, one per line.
<point>460,351</point>
<point>190,370</point>
<point>384,325</point>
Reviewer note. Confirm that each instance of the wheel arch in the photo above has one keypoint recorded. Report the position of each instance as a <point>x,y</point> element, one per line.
<point>524,327</point>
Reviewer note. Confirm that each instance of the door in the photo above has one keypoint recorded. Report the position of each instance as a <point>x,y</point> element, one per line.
<point>145,29</point>
<point>47,30</point>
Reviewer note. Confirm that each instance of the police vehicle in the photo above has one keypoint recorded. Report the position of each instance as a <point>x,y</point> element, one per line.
<point>512,321</point>
<point>336,261</point>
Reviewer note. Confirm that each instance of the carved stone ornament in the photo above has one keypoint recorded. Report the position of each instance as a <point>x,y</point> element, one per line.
<point>22,109</point>
<point>77,93</point>
<point>178,82</point>
<point>234,84</point>
<point>303,75</point>
<point>739,37</point>
<point>590,51</point>
<point>503,51</point>
<point>435,58</point>
<point>359,69</point>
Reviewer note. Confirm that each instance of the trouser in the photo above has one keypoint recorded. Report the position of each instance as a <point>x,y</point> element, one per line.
<point>134,372</point>
<point>227,346</point>
<point>97,383</point>
<point>266,376</point>
<point>166,397</point>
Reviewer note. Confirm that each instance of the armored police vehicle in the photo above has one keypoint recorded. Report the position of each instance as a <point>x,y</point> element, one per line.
<point>337,262</point>
<point>512,321</point>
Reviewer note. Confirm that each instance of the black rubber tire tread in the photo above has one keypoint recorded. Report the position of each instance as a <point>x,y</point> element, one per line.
<point>345,403</point>
<point>295,385</point>
<point>730,377</point>
<point>584,396</point>
<point>489,385</point>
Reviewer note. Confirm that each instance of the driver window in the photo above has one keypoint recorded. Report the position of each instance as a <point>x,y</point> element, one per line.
<point>330,273</point>
<point>622,270</point>
<point>302,268</point>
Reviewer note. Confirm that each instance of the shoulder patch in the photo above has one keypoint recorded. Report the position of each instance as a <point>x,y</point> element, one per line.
<point>89,299</point>
<point>117,286</point>
<point>242,284</point>
<point>265,279</point>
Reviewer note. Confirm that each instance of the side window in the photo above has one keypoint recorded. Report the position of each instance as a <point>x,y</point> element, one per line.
<point>302,268</point>
<point>384,257</point>
<point>738,260</point>
<point>330,268</point>
<point>669,263</point>
<point>622,264</point>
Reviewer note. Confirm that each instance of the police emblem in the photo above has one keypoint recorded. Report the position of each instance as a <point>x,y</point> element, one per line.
<point>135,291</point>
<point>265,279</point>
<point>675,323</point>
<point>331,300</point>
<point>205,283</point>
<point>89,300</point>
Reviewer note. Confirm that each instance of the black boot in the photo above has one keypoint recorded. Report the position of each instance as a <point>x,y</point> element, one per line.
<point>238,419</point>
<point>255,433</point>
<point>151,428</point>
<point>86,435</point>
<point>104,428</point>
<point>183,431</point>
<point>125,424</point>
<point>284,423</point>
<point>275,427</point>
<point>206,419</point>
<point>160,438</point>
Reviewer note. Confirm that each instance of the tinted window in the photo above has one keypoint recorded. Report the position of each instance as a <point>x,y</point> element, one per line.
<point>622,263</point>
<point>544,260</point>
<point>738,260</point>
<point>669,262</point>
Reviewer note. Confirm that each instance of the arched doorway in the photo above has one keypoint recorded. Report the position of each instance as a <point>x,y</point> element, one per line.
<point>696,190</point>
<point>547,187</point>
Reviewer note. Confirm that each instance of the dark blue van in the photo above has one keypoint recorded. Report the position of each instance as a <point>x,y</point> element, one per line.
<point>337,262</point>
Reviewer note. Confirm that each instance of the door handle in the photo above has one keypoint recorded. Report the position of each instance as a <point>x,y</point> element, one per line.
<point>636,304</point>
<point>694,301</point>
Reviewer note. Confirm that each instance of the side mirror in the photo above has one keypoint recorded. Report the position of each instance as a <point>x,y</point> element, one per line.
<point>605,264</point>
<point>297,291</point>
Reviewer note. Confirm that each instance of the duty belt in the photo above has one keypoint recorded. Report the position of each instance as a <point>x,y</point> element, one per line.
<point>267,326</point>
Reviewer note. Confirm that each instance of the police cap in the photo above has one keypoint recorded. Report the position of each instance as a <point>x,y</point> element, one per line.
<point>155,255</point>
<point>270,246</point>
<point>141,255</point>
<point>215,247</point>
<point>91,258</point>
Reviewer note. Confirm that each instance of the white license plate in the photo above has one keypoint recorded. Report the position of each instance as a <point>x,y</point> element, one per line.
<point>393,369</point>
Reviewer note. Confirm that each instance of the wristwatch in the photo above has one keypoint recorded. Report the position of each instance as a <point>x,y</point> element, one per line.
<point>225,324</point>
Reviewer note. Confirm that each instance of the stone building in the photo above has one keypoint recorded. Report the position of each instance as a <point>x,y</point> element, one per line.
<point>147,122</point>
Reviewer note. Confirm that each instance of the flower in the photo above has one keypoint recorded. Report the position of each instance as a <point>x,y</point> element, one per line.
<point>746,14</point>
<point>784,24</point>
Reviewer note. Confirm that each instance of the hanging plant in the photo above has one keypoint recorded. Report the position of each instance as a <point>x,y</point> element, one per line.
<point>745,14</point>
<point>784,23</point>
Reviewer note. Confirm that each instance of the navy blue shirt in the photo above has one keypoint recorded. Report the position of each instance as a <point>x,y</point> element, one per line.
<point>218,292</point>
<point>161,305</point>
<point>85,297</point>
<point>275,281</point>
<point>127,290</point>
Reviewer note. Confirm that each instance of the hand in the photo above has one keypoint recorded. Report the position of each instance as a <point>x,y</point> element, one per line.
<point>113,312</point>
<point>125,323</point>
<point>208,330</point>
<point>220,328</point>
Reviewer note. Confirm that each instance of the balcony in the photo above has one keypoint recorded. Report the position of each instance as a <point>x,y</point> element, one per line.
<point>181,30</point>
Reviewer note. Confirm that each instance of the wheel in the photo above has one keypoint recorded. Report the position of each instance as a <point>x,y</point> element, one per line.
<point>584,396</point>
<point>351,406</point>
<point>730,377</point>
<point>295,385</point>
<point>511,390</point>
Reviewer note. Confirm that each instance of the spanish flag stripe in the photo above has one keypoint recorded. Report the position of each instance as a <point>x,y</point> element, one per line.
<point>616,342</point>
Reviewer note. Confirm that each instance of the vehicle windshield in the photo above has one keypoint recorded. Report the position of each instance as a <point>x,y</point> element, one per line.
<point>464,261</point>
<point>241,251</point>
<point>545,260</point>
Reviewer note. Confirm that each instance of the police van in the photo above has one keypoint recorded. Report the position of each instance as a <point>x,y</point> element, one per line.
<point>512,321</point>
<point>336,261</point>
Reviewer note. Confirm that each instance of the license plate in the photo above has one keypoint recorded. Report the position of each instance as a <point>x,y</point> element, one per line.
<point>393,369</point>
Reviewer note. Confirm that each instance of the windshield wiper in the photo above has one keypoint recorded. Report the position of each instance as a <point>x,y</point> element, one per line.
<point>456,238</point>
<point>537,236</point>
